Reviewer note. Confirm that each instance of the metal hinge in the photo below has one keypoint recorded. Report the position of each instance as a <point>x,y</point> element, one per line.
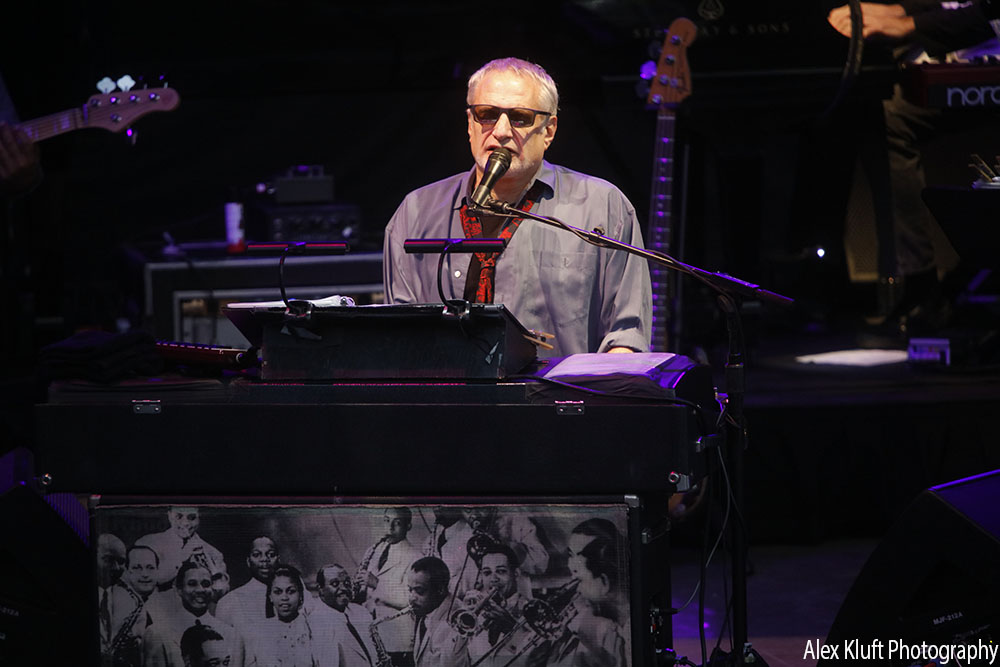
<point>569,407</point>
<point>146,407</point>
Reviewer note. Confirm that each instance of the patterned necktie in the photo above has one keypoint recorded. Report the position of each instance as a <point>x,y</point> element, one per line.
<point>487,261</point>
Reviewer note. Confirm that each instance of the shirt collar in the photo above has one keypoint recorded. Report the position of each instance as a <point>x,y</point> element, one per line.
<point>547,176</point>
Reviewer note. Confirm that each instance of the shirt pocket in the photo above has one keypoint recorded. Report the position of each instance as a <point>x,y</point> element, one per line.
<point>567,284</point>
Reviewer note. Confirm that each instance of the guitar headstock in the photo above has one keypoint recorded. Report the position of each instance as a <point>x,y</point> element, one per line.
<point>672,81</point>
<point>117,111</point>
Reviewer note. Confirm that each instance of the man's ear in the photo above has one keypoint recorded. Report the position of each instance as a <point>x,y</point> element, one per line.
<point>550,130</point>
<point>605,584</point>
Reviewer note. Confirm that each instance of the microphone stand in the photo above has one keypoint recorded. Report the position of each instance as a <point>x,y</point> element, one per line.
<point>729,290</point>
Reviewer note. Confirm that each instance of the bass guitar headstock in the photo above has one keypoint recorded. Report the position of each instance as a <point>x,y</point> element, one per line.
<point>670,83</point>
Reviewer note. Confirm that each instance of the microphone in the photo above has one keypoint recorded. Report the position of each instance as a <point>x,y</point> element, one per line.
<point>496,166</point>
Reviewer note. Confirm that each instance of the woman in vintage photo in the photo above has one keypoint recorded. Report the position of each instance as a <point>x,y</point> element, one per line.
<point>286,640</point>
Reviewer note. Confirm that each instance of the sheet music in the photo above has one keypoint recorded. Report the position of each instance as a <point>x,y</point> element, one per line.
<point>593,364</point>
<point>333,301</point>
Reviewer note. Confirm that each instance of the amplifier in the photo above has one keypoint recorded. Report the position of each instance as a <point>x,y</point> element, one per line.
<point>313,222</point>
<point>183,296</point>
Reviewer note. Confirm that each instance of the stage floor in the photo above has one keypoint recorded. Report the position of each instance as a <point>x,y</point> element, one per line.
<point>793,594</point>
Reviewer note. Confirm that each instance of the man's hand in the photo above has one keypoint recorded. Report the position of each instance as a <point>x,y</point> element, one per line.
<point>19,165</point>
<point>878,20</point>
<point>619,350</point>
<point>497,617</point>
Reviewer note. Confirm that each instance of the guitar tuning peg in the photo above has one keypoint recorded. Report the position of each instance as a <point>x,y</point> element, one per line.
<point>106,85</point>
<point>642,89</point>
<point>132,136</point>
<point>647,70</point>
<point>126,83</point>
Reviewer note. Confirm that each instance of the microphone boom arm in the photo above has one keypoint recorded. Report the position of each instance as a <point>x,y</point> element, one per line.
<point>720,282</point>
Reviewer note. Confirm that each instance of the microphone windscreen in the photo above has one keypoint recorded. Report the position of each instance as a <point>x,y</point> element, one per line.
<point>503,156</point>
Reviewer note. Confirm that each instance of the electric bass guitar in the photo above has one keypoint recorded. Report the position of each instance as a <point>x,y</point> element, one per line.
<point>668,88</point>
<point>114,112</point>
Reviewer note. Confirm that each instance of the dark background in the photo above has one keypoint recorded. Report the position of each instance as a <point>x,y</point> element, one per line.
<point>374,92</point>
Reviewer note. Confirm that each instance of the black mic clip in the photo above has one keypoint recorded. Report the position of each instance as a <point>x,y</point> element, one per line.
<point>493,206</point>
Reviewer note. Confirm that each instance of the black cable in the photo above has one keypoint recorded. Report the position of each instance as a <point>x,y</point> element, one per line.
<point>703,577</point>
<point>729,491</point>
<point>852,65</point>
<point>281,277</point>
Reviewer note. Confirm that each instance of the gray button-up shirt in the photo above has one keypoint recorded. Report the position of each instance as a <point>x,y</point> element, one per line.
<point>590,298</point>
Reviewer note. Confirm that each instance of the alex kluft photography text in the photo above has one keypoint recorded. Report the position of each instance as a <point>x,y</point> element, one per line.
<point>979,652</point>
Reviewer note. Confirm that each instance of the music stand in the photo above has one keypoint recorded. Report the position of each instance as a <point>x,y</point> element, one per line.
<point>400,341</point>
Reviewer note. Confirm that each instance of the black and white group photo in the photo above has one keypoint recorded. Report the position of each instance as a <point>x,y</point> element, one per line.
<point>362,585</point>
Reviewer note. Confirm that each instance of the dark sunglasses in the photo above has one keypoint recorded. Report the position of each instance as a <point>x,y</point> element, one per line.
<point>486,114</point>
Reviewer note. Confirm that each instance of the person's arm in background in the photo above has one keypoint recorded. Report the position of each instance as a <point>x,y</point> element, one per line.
<point>20,168</point>
<point>934,28</point>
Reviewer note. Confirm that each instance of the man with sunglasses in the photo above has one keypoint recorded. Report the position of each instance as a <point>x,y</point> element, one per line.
<point>590,299</point>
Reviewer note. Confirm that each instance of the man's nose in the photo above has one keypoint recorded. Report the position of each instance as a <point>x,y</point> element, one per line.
<point>501,130</point>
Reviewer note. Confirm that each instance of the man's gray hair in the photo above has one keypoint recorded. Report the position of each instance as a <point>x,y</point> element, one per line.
<point>547,92</point>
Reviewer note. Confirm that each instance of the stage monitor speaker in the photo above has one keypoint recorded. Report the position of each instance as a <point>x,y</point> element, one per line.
<point>45,583</point>
<point>932,585</point>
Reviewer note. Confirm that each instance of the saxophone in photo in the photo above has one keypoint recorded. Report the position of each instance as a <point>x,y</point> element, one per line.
<point>382,658</point>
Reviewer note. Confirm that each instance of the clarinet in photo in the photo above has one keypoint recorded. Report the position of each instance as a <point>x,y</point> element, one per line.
<point>361,578</point>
